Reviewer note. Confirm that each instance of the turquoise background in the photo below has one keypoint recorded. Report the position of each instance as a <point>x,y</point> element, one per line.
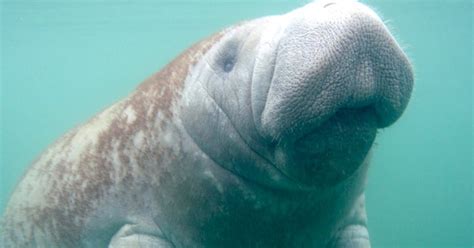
<point>63,61</point>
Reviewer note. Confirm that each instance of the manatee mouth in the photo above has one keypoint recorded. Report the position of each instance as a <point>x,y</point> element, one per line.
<point>332,152</point>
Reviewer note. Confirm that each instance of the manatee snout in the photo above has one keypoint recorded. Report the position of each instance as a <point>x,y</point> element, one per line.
<point>338,76</point>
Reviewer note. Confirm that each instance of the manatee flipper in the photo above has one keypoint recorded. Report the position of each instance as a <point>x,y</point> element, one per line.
<point>354,233</point>
<point>139,235</point>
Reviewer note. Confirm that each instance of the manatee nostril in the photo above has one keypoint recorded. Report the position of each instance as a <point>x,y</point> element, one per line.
<point>328,4</point>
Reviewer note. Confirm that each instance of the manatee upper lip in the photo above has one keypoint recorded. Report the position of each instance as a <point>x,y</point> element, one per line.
<point>379,76</point>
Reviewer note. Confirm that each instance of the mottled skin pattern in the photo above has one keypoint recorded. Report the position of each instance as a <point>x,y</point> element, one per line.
<point>106,156</point>
<point>258,136</point>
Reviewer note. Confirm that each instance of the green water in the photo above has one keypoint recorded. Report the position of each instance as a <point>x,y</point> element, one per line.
<point>63,61</point>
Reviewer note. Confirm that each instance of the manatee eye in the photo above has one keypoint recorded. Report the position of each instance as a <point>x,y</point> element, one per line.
<point>227,55</point>
<point>228,65</point>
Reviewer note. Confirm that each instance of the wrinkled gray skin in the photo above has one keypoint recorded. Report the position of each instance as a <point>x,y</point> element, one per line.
<point>256,137</point>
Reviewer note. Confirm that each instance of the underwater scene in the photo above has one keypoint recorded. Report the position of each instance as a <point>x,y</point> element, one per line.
<point>62,62</point>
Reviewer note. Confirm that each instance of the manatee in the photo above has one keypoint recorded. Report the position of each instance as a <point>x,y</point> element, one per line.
<point>258,136</point>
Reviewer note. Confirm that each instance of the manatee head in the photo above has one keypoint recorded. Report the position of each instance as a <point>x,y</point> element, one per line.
<point>295,100</point>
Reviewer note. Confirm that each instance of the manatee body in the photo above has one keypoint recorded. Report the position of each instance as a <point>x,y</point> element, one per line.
<point>258,136</point>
